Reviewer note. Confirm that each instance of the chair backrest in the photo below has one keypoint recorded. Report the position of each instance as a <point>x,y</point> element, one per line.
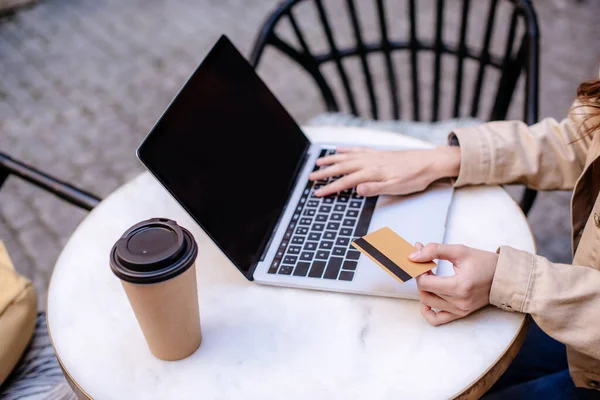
<point>449,81</point>
<point>77,197</point>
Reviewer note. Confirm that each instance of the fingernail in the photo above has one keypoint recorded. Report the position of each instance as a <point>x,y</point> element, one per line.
<point>414,255</point>
<point>318,192</point>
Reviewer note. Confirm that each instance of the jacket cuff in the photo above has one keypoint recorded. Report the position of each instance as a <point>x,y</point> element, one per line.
<point>475,155</point>
<point>512,279</point>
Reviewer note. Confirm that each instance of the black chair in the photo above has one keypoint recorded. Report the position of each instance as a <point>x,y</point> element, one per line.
<point>73,195</point>
<point>38,371</point>
<point>520,57</point>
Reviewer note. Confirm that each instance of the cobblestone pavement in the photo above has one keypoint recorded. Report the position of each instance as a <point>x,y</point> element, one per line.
<point>81,82</point>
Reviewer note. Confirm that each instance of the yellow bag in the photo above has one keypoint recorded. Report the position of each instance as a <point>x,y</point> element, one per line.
<point>18,312</point>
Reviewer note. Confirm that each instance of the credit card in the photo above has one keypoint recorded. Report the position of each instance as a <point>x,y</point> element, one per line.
<point>390,251</point>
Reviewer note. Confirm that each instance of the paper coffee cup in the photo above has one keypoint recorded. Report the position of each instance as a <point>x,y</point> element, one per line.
<point>155,260</point>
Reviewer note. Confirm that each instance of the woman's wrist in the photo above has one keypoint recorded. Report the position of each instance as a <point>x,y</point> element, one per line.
<point>446,162</point>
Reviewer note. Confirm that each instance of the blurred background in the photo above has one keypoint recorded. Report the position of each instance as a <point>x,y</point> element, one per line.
<point>82,82</point>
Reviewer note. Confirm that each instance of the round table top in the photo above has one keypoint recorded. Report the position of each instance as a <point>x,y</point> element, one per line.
<point>264,342</point>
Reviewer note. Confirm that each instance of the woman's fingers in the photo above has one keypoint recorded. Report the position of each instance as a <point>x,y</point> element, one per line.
<point>333,170</point>
<point>345,182</point>
<point>441,285</point>
<point>332,159</point>
<point>367,189</point>
<point>434,301</point>
<point>439,318</point>
<point>450,252</point>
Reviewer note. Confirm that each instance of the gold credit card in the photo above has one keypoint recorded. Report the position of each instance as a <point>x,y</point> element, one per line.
<point>388,250</point>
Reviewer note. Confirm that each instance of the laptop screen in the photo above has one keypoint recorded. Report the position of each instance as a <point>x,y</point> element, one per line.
<point>229,152</point>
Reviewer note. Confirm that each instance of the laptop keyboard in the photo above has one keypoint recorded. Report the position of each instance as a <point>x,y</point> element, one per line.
<point>317,241</point>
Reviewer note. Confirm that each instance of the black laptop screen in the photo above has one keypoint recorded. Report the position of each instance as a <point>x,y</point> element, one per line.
<point>228,151</point>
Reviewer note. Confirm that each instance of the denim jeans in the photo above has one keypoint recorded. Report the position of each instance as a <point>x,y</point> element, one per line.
<point>539,371</point>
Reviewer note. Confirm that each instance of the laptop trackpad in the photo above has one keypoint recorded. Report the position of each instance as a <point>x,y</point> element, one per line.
<point>417,218</point>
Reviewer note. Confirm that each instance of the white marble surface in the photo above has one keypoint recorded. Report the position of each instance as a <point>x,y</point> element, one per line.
<point>263,342</point>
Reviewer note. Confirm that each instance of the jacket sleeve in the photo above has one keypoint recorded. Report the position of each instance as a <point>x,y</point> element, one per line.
<point>562,299</point>
<point>549,155</point>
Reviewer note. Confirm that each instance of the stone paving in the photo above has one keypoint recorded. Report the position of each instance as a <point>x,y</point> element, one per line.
<point>81,82</point>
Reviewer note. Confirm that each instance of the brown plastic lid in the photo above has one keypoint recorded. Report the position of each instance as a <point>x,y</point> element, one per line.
<point>153,251</point>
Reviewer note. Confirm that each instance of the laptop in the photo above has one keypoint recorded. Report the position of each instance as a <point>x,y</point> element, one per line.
<point>238,163</point>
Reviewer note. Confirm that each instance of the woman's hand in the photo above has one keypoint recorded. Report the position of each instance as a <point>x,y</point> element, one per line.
<point>461,294</point>
<point>376,172</point>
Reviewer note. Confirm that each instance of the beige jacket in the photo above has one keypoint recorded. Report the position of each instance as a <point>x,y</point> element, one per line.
<point>564,300</point>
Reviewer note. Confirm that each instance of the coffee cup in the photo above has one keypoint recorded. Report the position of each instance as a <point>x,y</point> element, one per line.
<point>155,261</point>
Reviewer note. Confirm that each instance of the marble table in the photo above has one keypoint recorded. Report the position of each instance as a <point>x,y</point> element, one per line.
<point>263,342</point>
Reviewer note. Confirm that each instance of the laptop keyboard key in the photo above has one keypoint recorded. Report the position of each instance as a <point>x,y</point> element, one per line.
<point>342,199</point>
<point>352,255</point>
<point>333,268</point>
<point>355,204</point>
<point>321,218</point>
<point>349,265</point>
<point>310,246</point>
<point>305,221</point>
<point>298,240</point>
<point>301,269</point>
<point>365,216</point>
<point>307,256</point>
<point>339,207</point>
<point>337,217</point>
<point>326,245</point>
<point>327,200</point>
<point>310,212</point>
<point>329,235</point>
<point>287,234</point>
<point>322,255</point>
<point>286,270</point>
<point>316,269</point>
<point>313,203</point>
<point>339,251</point>
<point>342,241</point>
<point>302,230</point>
<point>273,267</point>
<point>325,209</point>
<point>314,236</point>
<point>344,275</point>
<point>352,213</point>
<point>294,250</point>
<point>290,259</point>
<point>346,232</point>
<point>318,227</point>
<point>333,225</point>
<point>349,222</point>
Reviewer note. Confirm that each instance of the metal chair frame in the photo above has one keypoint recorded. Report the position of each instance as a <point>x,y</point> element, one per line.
<point>510,65</point>
<point>61,189</point>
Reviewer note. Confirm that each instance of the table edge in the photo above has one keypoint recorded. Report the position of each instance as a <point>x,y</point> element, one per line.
<point>76,387</point>
<point>482,384</point>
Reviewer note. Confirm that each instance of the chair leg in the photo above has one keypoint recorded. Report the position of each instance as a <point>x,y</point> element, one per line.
<point>527,200</point>
<point>3,176</point>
